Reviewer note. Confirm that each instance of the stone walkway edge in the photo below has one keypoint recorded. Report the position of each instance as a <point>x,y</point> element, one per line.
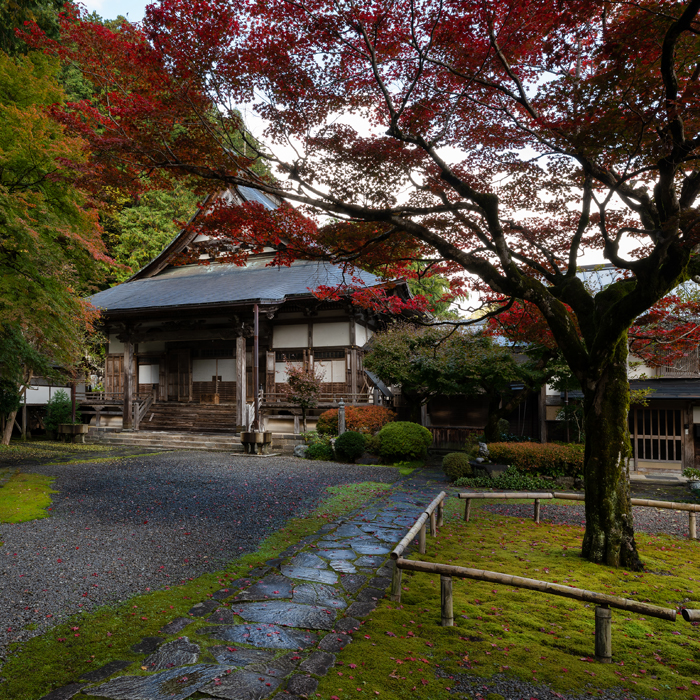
<point>275,632</point>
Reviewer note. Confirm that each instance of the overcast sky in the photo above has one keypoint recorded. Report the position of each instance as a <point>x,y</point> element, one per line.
<point>109,9</point>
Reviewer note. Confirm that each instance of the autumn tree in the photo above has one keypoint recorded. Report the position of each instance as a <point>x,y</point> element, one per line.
<point>50,246</point>
<point>303,386</point>
<point>502,139</point>
<point>434,360</point>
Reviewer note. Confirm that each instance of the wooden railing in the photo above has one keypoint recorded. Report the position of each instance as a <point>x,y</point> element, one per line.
<point>691,508</point>
<point>603,602</point>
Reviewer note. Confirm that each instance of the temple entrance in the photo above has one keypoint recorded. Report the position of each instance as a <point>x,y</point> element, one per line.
<point>179,375</point>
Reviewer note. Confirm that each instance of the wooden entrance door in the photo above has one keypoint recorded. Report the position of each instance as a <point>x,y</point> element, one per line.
<point>114,375</point>
<point>179,375</point>
<point>657,437</point>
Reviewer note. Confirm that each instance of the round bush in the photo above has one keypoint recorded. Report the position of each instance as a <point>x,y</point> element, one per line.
<point>456,465</point>
<point>372,445</point>
<point>350,445</point>
<point>319,450</point>
<point>404,441</point>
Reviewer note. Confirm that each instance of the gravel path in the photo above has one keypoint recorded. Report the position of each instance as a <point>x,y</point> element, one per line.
<point>651,520</point>
<point>121,528</point>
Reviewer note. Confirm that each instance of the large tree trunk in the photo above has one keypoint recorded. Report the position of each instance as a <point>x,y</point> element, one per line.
<point>491,431</point>
<point>609,537</point>
<point>9,425</point>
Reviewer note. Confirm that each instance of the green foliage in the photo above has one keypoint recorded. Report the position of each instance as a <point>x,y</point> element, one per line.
<point>320,450</point>
<point>510,479</point>
<point>456,465</point>
<point>372,444</point>
<point>362,419</point>
<point>142,230</point>
<point>59,410</point>
<point>692,473</point>
<point>10,398</point>
<point>14,14</point>
<point>549,459</point>
<point>403,441</point>
<point>350,445</point>
<point>51,252</point>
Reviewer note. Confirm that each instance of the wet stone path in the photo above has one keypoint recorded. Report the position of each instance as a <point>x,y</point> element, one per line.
<point>275,632</point>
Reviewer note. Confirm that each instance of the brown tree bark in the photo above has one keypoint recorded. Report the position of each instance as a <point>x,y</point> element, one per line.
<point>609,537</point>
<point>9,425</point>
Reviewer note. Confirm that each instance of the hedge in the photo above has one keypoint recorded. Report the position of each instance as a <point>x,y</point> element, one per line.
<point>548,459</point>
<point>360,419</point>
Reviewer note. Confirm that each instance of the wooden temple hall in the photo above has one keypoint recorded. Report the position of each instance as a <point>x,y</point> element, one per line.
<point>188,344</point>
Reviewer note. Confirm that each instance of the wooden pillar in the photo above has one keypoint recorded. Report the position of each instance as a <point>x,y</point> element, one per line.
<point>421,540</point>
<point>448,619</point>
<point>688,456</point>
<point>542,411</point>
<point>537,510</point>
<point>72,402</point>
<point>128,385</point>
<point>433,524</point>
<point>692,528</point>
<point>467,509</point>
<point>240,381</point>
<point>441,514</point>
<point>603,634</point>
<point>396,584</point>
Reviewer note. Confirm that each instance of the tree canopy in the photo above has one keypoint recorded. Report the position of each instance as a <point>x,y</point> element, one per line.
<point>501,139</point>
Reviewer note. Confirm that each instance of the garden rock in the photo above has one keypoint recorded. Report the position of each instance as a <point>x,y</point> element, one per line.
<point>483,450</point>
<point>300,451</point>
<point>565,482</point>
<point>319,663</point>
<point>176,653</point>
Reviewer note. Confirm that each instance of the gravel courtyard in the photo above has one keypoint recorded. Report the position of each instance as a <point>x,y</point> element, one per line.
<point>120,528</point>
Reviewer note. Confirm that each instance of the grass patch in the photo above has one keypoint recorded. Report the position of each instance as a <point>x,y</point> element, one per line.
<point>25,497</point>
<point>42,449</point>
<point>98,460</point>
<point>501,629</point>
<point>90,640</point>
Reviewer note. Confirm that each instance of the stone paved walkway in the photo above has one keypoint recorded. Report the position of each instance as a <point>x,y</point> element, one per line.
<point>275,632</point>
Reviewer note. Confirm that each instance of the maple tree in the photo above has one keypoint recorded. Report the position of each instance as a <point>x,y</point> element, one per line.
<point>501,139</point>
<point>50,245</point>
<point>303,386</point>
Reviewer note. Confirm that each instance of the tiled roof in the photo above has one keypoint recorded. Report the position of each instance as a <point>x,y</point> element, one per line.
<point>220,284</point>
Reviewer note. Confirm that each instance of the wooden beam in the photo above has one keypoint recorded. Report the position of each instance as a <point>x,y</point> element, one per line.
<point>128,385</point>
<point>241,372</point>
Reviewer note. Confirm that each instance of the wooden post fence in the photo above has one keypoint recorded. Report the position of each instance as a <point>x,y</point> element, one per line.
<point>691,508</point>
<point>603,602</point>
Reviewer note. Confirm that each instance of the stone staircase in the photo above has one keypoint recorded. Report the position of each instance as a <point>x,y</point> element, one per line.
<point>186,440</point>
<point>168,440</point>
<point>199,418</point>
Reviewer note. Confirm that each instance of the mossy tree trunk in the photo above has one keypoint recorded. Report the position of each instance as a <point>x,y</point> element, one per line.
<point>609,537</point>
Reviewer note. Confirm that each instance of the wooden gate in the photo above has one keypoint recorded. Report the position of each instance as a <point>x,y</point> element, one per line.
<point>179,375</point>
<point>657,436</point>
<point>114,375</point>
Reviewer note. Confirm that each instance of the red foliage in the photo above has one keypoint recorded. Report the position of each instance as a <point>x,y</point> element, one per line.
<point>361,419</point>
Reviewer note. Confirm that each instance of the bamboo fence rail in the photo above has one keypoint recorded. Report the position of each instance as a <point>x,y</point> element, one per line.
<point>691,508</point>
<point>603,602</point>
<point>435,513</point>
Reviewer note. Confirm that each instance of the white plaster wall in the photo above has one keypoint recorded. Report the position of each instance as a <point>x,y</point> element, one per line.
<point>637,368</point>
<point>281,371</point>
<point>331,334</point>
<point>696,414</point>
<point>149,374</point>
<point>296,336</point>
<point>333,370</point>
<point>115,346</point>
<point>360,335</point>
<point>204,370</point>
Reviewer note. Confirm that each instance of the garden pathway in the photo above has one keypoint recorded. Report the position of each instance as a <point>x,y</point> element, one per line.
<point>276,631</point>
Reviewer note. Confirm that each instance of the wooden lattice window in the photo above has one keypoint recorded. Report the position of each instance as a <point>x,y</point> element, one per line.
<point>657,434</point>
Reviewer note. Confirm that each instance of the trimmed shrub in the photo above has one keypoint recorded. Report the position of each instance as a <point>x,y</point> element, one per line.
<point>548,459</point>
<point>372,444</point>
<point>510,479</point>
<point>359,419</point>
<point>58,410</point>
<point>456,465</point>
<point>319,450</point>
<point>350,445</point>
<point>403,441</point>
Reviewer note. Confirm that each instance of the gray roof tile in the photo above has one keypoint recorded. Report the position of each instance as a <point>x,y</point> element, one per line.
<point>218,284</point>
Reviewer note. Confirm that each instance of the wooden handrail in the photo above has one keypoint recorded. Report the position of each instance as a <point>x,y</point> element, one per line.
<point>690,508</point>
<point>603,602</point>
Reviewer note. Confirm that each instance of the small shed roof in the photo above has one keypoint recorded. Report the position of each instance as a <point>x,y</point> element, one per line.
<point>224,284</point>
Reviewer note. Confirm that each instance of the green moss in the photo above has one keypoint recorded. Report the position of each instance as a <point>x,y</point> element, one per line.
<point>90,640</point>
<point>502,629</point>
<point>25,497</point>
